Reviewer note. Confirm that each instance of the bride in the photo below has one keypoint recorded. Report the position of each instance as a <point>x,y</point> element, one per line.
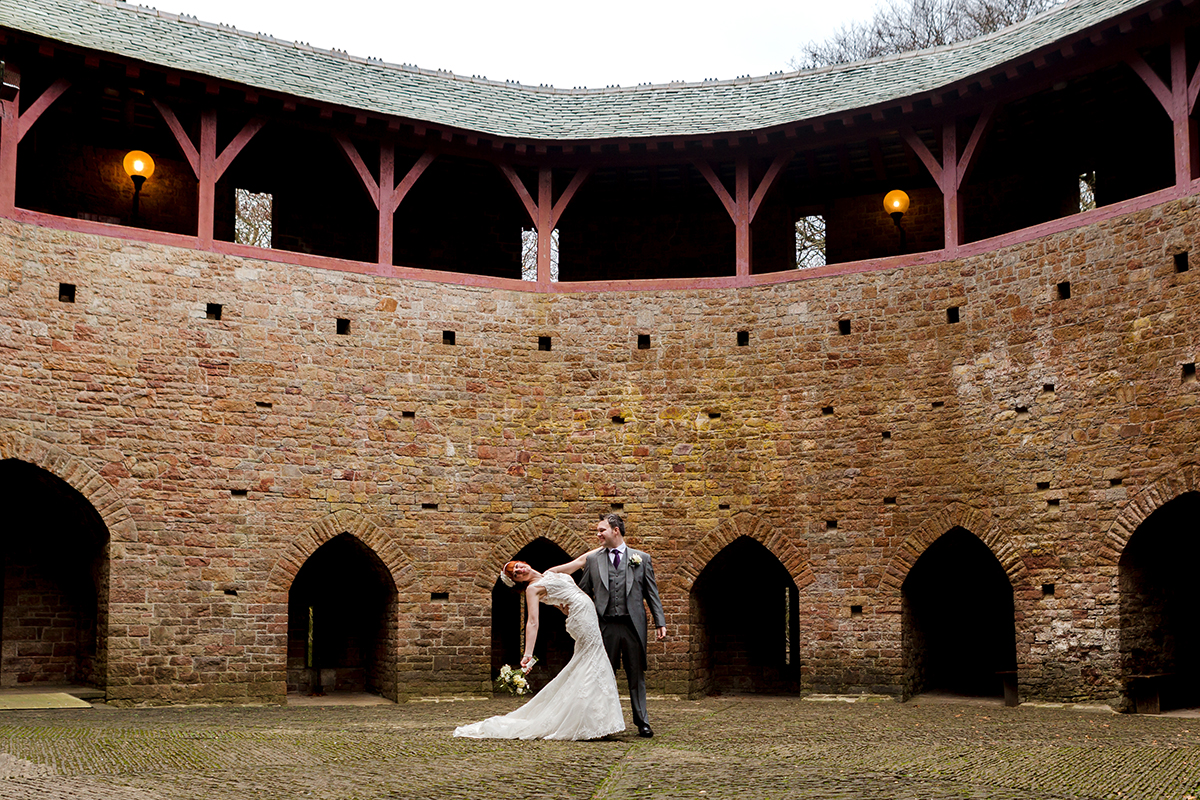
<point>581,702</point>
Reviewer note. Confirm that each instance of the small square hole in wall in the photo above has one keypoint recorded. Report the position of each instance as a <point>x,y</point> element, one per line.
<point>1064,290</point>
<point>714,415</point>
<point>1053,502</point>
<point>843,326</point>
<point>447,337</point>
<point>856,611</point>
<point>213,311</point>
<point>1048,388</point>
<point>231,592</point>
<point>408,415</point>
<point>617,506</point>
<point>343,326</point>
<point>743,338</point>
<point>429,506</point>
<point>1047,590</point>
<point>889,501</point>
<point>1181,262</point>
<point>438,596</point>
<point>66,293</point>
<point>263,405</point>
<point>723,506</point>
<point>827,411</point>
<point>1043,485</point>
<point>618,419</point>
<point>1115,481</point>
<point>1189,372</point>
<point>643,341</point>
<point>238,493</point>
<point>830,524</point>
<point>1022,411</point>
<point>543,343</point>
<point>886,434</point>
<point>952,314</point>
<point>939,403</point>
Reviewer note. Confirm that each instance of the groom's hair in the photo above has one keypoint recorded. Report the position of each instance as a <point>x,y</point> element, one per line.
<point>615,521</point>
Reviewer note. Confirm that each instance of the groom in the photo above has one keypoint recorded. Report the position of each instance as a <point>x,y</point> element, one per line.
<point>620,579</point>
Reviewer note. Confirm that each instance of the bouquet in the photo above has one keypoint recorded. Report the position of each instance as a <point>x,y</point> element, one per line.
<point>513,680</point>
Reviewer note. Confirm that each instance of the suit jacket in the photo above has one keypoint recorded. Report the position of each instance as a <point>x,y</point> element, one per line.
<point>641,589</point>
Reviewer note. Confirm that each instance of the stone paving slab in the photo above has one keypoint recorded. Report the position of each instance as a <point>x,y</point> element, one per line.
<point>11,700</point>
<point>727,747</point>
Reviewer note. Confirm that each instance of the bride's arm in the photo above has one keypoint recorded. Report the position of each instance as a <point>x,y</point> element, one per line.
<point>578,563</point>
<point>532,606</point>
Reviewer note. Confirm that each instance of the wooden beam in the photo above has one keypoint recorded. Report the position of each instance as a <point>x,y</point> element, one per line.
<point>356,161</point>
<point>181,137</point>
<point>208,177</point>
<point>1151,79</point>
<point>764,186</point>
<point>243,138</point>
<point>560,206</point>
<point>522,192</point>
<point>410,178</point>
<point>967,161</point>
<point>39,106</point>
<point>918,147</point>
<point>718,187</point>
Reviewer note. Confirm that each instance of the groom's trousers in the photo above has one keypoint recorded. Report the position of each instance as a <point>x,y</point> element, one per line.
<point>623,644</point>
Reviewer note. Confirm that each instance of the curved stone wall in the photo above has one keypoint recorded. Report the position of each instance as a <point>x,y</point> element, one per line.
<point>1048,426</point>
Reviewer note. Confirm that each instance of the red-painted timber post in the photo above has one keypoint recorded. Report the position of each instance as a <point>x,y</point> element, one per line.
<point>545,213</point>
<point>953,171</point>
<point>743,207</point>
<point>13,127</point>
<point>1179,100</point>
<point>208,166</point>
<point>386,194</point>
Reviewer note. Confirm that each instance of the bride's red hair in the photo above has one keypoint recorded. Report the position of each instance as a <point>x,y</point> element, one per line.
<point>511,567</point>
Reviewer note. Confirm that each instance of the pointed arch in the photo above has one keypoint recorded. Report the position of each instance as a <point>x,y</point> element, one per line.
<point>954,515</point>
<point>399,565</point>
<point>737,526</point>
<point>1139,507</point>
<point>99,492</point>
<point>541,526</point>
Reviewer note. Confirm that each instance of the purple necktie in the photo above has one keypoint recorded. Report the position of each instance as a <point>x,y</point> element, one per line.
<point>616,559</point>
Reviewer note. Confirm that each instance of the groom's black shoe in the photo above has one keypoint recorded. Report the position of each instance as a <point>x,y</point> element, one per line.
<point>645,732</point>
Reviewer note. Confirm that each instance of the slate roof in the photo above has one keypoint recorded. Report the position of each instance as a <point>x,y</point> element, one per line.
<point>511,110</point>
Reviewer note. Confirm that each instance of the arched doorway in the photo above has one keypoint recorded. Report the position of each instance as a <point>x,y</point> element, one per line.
<point>342,610</point>
<point>745,623</point>
<point>959,633</point>
<point>54,581</point>
<point>1160,610</point>
<point>554,645</point>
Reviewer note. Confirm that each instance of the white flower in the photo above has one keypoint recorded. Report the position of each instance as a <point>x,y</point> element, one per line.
<point>635,559</point>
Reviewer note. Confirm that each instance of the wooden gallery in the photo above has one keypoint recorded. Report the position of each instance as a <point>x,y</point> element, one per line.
<point>297,348</point>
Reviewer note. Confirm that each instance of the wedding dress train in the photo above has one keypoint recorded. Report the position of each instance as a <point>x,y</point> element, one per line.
<point>581,702</point>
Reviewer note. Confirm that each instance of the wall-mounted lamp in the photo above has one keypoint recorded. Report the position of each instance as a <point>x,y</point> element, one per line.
<point>895,203</point>
<point>138,166</point>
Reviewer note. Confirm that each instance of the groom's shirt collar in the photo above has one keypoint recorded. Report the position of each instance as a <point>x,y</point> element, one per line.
<point>622,547</point>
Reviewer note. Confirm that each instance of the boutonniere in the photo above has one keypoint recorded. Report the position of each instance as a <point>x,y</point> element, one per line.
<point>635,559</point>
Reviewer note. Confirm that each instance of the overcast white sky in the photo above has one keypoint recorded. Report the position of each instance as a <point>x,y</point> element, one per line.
<point>564,44</point>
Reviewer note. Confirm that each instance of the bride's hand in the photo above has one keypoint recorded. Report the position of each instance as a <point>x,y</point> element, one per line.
<point>527,663</point>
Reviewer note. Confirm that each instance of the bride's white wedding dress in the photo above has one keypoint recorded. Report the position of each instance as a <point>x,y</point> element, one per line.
<point>581,702</point>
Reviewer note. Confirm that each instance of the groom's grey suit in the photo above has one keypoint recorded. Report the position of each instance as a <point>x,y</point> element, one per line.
<point>620,623</point>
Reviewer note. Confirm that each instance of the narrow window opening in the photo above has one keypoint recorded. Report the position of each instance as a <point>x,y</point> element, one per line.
<point>447,337</point>
<point>231,593</point>
<point>529,243</point>
<point>1181,262</point>
<point>343,326</point>
<point>544,343</point>
<point>429,506</point>
<point>723,506</point>
<point>1087,191</point>
<point>437,596</point>
<point>238,492</point>
<point>213,311</point>
<point>830,524</point>
<point>1053,502</point>
<point>827,410</point>
<point>714,415</point>
<point>952,314</point>
<point>408,414</point>
<point>810,241</point>
<point>1116,481</point>
<point>1043,485</point>
<point>1189,372</point>
<point>887,434</point>
<point>843,326</point>
<point>617,506</point>
<point>618,419</point>
<point>1048,388</point>
<point>263,404</point>
<point>66,293</point>
<point>1064,290</point>
<point>1047,590</point>
<point>939,403</point>
<point>856,611</point>
<point>889,501</point>
<point>252,218</point>
<point>643,341</point>
<point>743,338</point>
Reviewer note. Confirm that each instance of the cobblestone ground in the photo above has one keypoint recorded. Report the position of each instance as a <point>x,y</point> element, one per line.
<point>731,747</point>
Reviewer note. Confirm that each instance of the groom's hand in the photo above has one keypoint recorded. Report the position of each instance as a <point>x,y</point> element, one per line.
<point>660,633</point>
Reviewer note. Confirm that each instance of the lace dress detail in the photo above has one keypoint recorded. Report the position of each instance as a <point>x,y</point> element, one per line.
<point>581,702</point>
